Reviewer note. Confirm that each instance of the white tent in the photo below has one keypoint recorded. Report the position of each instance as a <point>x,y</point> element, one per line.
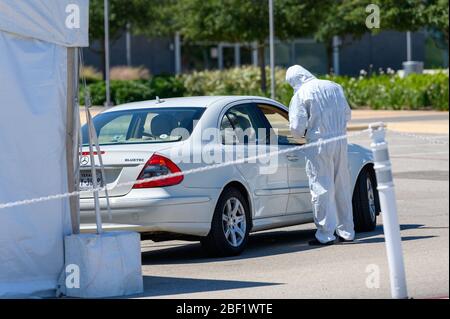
<point>37,149</point>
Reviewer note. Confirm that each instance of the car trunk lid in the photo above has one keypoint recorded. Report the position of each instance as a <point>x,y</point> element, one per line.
<point>122,164</point>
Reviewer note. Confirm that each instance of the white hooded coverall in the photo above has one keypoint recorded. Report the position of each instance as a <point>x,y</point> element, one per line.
<point>319,109</point>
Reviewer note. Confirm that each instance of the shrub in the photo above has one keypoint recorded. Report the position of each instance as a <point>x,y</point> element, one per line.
<point>97,91</point>
<point>134,91</point>
<point>384,91</point>
<point>130,91</point>
<point>126,73</point>
<point>91,74</point>
<point>121,92</point>
<point>417,91</point>
<point>167,86</point>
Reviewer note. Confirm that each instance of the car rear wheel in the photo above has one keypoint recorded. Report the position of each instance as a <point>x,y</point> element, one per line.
<point>230,226</point>
<point>366,203</point>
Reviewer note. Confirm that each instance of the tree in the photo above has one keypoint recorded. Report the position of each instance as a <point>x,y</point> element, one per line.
<point>157,18</point>
<point>341,18</point>
<point>437,17</point>
<point>413,15</point>
<point>437,21</point>
<point>141,14</point>
<point>245,21</point>
<point>347,17</point>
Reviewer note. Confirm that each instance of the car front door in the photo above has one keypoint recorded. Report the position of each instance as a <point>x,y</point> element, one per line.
<point>267,181</point>
<point>299,195</point>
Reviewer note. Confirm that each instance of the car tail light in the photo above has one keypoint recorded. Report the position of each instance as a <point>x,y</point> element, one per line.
<point>156,166</point>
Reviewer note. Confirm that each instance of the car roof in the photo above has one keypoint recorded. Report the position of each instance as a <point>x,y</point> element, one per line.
<point>195,101</point>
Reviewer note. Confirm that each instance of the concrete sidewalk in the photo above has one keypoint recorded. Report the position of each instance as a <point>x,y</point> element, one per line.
<point>424,122</point>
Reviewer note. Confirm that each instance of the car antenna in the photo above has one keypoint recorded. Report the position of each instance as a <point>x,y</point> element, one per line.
<point>159,101</point>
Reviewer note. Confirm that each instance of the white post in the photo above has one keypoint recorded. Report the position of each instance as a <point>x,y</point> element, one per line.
<point>388,204</point>
<point>128,43</point>
<point>408,46</point>
<point>107,80</point>
<point>177,53</point>
<point>272,49</point>
<point>336,44</point>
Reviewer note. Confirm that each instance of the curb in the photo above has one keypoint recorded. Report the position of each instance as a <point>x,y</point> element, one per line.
<point>361,127</point>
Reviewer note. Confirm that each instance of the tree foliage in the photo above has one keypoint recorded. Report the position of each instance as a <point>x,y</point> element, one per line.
<point>148,17</point>
<point>121,12</point>
<point>347,17</point>
<point>245,21</point>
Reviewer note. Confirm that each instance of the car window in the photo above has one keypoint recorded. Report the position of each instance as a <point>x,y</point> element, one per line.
<point>227,131</point>
<point>115,130</point>
<point>279,122</point>
<point>240,125</point>
<point>158,125</point>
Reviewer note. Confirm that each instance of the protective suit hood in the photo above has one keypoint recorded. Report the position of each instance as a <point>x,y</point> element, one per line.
<point>297,75</point>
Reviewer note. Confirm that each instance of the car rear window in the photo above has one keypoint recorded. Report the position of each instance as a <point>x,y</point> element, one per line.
<point>156,125</point>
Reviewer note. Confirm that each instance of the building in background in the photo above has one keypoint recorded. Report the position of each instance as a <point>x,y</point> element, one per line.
<point>371,52</point>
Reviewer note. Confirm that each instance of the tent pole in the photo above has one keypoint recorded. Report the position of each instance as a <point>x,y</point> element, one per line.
<point>72,123</point>
<point>272,51</point>
<point>107,54</point>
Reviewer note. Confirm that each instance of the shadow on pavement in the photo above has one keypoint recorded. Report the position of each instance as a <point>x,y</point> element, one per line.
<point>168,286</point>
<point>379,231</point>
<point>262,244</point>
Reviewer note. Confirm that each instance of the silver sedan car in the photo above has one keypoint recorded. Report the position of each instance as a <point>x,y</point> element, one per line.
<point>244,188</point>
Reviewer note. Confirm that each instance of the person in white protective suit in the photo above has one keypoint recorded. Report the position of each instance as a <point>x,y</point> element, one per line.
<point>319,111</point>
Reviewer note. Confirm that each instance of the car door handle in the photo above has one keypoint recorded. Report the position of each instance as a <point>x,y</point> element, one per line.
<point>292,158</point>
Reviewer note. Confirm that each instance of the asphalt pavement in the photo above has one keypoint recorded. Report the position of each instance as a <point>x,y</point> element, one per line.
<point>280,264</point>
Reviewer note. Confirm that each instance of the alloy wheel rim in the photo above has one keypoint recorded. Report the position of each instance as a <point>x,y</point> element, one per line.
<point>234,223</point>
<point>371,198</point>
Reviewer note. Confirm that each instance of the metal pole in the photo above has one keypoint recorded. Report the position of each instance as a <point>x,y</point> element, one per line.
<point>255,54</point>
<point>98,216</point>
<point>408,46</point>
<point>336,44</point>
<point>272,50</point>
<point>177,53</point>
<point>220,56</point>
<point>237,55</point>
<point>72,140</point>
<point>388,204</point>
<point>128,43</point>
<point>107,80</point>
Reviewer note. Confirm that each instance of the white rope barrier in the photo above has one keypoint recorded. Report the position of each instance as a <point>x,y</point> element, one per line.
<point>430,139</point>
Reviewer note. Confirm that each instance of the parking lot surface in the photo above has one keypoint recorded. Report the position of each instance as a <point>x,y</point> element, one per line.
<point>280,264</point>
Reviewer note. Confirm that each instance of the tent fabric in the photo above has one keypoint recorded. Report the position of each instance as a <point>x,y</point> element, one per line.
<point>63,22</point>
<point>33,119</point>
<point>33,163</point>
<point>109,264</point>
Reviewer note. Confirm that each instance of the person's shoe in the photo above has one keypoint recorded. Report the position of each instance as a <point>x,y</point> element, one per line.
<point>343,240</point>
<point>315,242</point>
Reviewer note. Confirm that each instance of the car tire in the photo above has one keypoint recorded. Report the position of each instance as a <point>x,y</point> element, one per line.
<point>366,202</point>
<point>230,226</point>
